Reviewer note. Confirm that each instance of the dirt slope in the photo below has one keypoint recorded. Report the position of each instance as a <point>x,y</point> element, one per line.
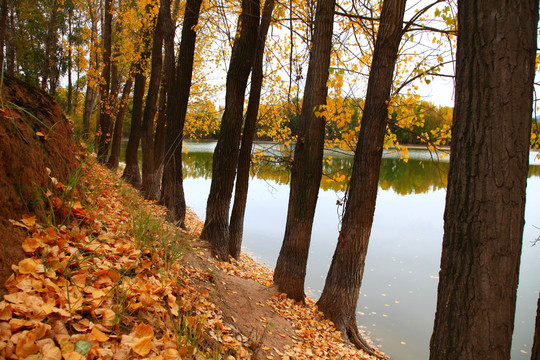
<point>34,136</point>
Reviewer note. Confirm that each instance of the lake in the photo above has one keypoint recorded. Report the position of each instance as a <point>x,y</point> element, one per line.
<point>399,289</point>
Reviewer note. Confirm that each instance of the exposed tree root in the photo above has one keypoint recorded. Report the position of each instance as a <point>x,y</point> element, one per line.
<point>358,340</point>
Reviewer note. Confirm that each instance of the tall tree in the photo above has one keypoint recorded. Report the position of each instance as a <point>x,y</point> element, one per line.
<point>114,157</point>
<point>340,294</point>
<point>236,226</point>
<point>535,354</point>
<point>225,160</point>
<point>90,97</point>
<point>3,26</point>
<point>178,89</point>
<point>132,172</point>
<point>485,200</point>
<point>150,187</point>
<point>290,271</point>
<point>49,62</point>
<point>105,118</point>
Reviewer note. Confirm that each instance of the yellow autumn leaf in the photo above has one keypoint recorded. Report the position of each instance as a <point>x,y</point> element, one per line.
<point>26,345</point>
<point>143,330</point>
<point>98,335</point>
<point>49,350</point>
<point>143,345</point>
<point>28,220</point>
<point>31,244</point>
<point>27,266</point>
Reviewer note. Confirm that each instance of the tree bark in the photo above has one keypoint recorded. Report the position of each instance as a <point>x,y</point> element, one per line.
<point>236,226</point>
<point>535,354</point>
<point>485,201</point>
<point>150,187</point>
<point>3,26</point>
<point>161,129</point>
<point>114,157</point>
<point>306,175</point>
<point>105,121</point>
<point>172,192</point>
<point>88,106</point>
<point>132,171</point>
<point>340,294</point>
<point>50,48</point>
<point>10,46</point>
<point>225,160</point>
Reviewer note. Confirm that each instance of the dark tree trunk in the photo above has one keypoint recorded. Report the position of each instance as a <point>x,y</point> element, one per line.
<point>172,192</point>
<point>225,160</point>
<point>340,294</point>
<point>3,26</point>
<point>485,200</point>
<point>161,130</point>
<point>535,354</point>
<point>114,158</point>
<point>150,187</point>
<point>10,46</point>
<point>236,226</point>
<point>88,106</point>
<point>105,120</point>
<point>306,175</point>
<point>132,171</point>
<point>50,48</point>
<point>91,94</point>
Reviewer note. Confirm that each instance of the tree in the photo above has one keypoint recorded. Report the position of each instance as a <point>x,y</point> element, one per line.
<point>105,119</point>
<point>535,354</point>
<point>150,187</point>
<point>132,171</point>
<point>244,158</point>
<point>340,294</point>
<point>306,175</point>
<point>178,88</point>
<point>3,25</point>
<point>225,160</point>
<point>114,157</point>
<point>485,201</point>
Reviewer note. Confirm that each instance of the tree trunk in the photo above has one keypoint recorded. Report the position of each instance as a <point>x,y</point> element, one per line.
<point>340,294</point>
<point>172,192</point>
<point>50,47</point>
<point>236,226</point>
<point>3,26</point>
<point>161,130</point>
<point>10,46</point>
<point>114,158</point>
<point>88,106</point>
<point>132,171</point>
<point>150,188</point>
<point>105,121</point>
<point>225,160</point>
<point>485,201</point>
<point>535,354</point>
<point>306,175</point>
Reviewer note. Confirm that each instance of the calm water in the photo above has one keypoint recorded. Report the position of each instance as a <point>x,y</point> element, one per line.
<point>398,295</point>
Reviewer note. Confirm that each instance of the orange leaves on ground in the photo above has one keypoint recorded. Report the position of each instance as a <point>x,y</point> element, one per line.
<point>85,288</point>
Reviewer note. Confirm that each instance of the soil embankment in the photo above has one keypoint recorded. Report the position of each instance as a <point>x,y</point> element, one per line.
<point>36,143</point>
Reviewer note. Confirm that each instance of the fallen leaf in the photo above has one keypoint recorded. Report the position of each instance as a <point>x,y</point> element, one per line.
<point>31,244</point>
<point>143,345</point>
<point>82,347</point>
<point>99,336</point>
<point>26,345</point>
<point>143,330</point>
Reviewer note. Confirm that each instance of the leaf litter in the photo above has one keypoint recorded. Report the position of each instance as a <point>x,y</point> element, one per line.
<point>88,290</point>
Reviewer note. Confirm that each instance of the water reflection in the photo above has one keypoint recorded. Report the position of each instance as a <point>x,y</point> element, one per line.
<point>418,175</point>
